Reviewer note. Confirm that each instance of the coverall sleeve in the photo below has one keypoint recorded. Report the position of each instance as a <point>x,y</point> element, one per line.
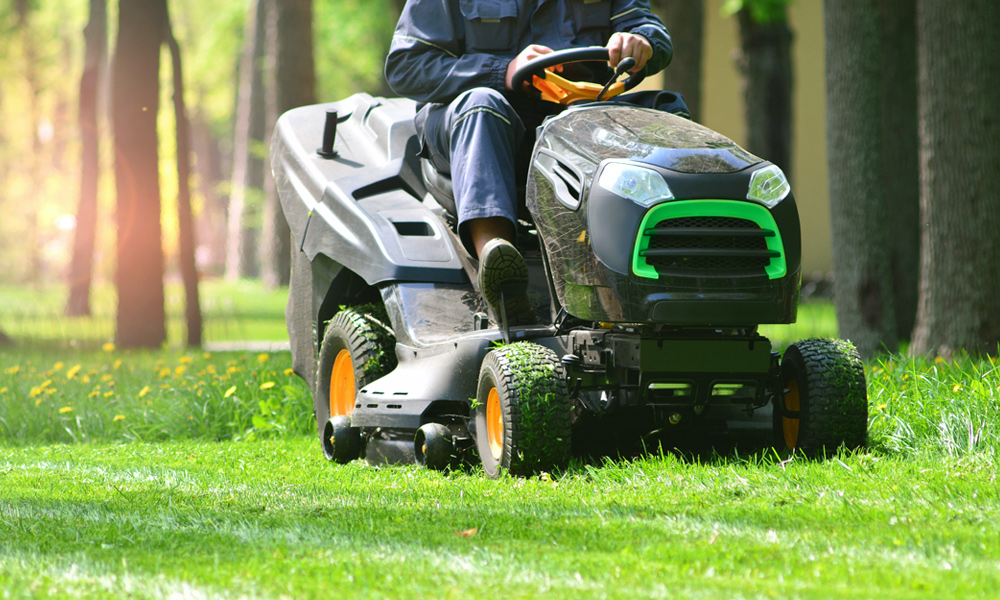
<point>427,61</point>
<point>635,16</point>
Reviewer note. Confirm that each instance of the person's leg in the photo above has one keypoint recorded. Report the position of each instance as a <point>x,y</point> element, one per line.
<point>482,133</point>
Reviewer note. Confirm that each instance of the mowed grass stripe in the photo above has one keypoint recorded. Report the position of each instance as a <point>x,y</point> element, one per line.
<point>274,519</point>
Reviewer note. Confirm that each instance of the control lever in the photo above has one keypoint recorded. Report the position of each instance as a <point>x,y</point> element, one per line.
<point>624,65</point>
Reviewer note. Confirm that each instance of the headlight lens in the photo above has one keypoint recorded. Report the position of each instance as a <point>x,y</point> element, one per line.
<point>768,186</point>
<point>639,184</point>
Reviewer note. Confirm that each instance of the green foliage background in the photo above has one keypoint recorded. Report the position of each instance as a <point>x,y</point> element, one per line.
<point>351,38</point>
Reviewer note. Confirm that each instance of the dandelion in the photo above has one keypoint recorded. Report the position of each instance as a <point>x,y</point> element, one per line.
<point>165,372</point>
<point>180,370</point>
<point>144,391</point>
<point>119,418</point>
<point>13,370</point>
<point>289,372</point>
<point>267,385</point>
<point>72,371</point>
<point>3,390</point>
<point>957,388</point>
<point>263,358</point>
<point>65,409</point>
<point>210,369</point>
<point>185,360</point>
<point>229,392</point>
<point>108,347</point>
<point>207,355</point>
<point>117,364</point>
<point>881,407</point>
<point>59,365</point>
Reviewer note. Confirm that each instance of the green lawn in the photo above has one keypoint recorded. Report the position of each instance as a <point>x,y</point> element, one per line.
<point>243,310</point>
<point>192,474</point>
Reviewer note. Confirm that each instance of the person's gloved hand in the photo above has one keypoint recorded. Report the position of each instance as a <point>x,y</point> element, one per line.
<point>622,45</point>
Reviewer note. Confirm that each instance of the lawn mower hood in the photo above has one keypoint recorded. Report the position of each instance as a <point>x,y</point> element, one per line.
<point>647,217</point>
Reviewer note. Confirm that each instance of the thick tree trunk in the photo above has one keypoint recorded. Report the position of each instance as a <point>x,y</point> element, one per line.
<point>685,22</point>
<point>294,85</point>
<point>85,235</point>
<point>246,194</point>
<point>141,320</point>
<point>185,221</point>
<point>900,172</point>
<point>959,64</point>
<point>863,288</point>
<point>766,63</point>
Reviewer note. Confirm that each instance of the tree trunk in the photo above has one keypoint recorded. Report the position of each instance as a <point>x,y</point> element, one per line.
<point>135,97</point>
<point>863,289</point>
<point>211,228</point>
<point>248,150</point>
<point>31,62</point>
<point>85,235</point>
<point>766,63</point>
<point>900,171</point>
<point>959,64</point>
<point>294,85</point>
<point>685,22</point>
<point>189,269</point>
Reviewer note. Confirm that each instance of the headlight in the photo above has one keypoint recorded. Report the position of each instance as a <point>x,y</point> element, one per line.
<point>768,186</point>
<point>639,184</point>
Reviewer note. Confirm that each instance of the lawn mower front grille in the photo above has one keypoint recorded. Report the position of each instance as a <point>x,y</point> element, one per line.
<point>708,247</point>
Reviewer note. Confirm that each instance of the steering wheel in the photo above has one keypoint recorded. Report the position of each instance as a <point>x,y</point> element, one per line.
<point>554,88</point>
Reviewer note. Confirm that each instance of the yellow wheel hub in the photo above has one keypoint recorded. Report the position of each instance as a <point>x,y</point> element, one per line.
<point>494,424</point>
<point>790,426</point>
<point>342,390</point>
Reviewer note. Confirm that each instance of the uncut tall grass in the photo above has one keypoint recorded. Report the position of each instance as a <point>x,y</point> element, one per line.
<point>149,396</point>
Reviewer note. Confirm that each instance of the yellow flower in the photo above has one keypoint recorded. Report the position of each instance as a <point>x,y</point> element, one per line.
<point>58,366</point>
<point>210,369</point>
<point>109,347</point>
<point>229,392</point>
<point>72,371</point>
<point>144,391</point>
<point>165,372</point>
<point>109,394</point>
<point>180,370</point>
<point>956,388</point>
<point>880,407</point>
<point>263,358</point>
<point>289,372</point>
<point>117,364</point>
<point>207,355</point>
<point>3,390</point>
<point>65,409</point>
<point>13,370</point>
<point>185,360</point>
<point>119,418</point>
<point>267,385</point>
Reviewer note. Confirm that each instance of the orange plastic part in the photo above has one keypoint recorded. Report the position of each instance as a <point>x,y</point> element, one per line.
<point>342,389</point>
<point>790,427</point>
<point>494,424</point>
<point>563,91</point>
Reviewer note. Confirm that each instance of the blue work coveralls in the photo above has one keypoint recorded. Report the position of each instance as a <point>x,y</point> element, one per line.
<point>452,56</point>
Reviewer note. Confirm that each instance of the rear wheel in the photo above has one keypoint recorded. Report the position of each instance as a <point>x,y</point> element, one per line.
<point>825,400</point>
<point>523,411</point>
<point>357,349</point>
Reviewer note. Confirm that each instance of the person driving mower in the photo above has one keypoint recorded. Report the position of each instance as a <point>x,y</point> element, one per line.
<point>457,58</point>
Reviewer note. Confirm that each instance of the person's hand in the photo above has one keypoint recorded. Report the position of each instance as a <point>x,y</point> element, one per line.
<point>530,53</point>
<point>622,45</point>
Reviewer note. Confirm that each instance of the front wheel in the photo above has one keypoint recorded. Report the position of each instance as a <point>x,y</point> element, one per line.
<point>523,411</point>
<point>357,349</point>
<point>825,401</point>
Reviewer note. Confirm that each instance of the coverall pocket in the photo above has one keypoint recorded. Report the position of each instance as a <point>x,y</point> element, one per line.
<point>489,24</point>
<point>592,16</point>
